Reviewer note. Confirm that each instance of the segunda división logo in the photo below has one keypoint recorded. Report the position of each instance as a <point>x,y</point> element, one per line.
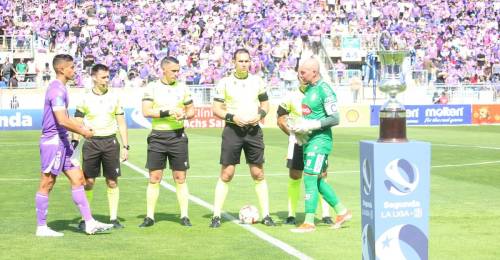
<point>402,177</point>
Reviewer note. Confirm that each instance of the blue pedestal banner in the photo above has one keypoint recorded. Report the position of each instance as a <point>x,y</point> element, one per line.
<point>395,187</point>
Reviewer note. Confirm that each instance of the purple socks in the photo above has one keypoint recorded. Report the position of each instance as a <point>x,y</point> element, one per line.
<point>41,204</point>
<point>82,203</point>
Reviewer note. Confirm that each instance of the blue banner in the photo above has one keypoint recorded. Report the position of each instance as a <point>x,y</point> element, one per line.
<point>395,189</point>
<point>431,115</point>
<point>31,119</point>
<point>21,119</point>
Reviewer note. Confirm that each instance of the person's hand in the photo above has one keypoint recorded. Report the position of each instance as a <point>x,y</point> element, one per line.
<point>301,138</point>
<point>178,113</point>
<point>87,133</point>
<point>124,155</point>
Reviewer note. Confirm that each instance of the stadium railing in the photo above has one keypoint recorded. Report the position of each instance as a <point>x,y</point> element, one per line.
<point>333,42</point>
<point>202,94</point>
<point>420,78</point>
<point>17,44</point>
<point>344,77</point>
<point>467,93</point>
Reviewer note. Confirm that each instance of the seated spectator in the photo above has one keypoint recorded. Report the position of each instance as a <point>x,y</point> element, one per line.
<point>443,99</point>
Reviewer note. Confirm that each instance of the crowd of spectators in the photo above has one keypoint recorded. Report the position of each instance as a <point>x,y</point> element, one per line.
<point>455,40</point>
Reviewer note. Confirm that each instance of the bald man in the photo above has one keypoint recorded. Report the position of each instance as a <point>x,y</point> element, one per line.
<point>319,114</point>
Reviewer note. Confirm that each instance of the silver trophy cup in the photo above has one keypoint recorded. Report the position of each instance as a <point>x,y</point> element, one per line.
<point>392,113</point>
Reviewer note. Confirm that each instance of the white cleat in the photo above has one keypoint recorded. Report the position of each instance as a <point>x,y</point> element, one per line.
<point>44,231</point>
<point>94,226</point>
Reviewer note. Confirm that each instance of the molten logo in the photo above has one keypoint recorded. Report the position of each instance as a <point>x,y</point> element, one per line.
<point>306,110</point>
<point>402,177</point>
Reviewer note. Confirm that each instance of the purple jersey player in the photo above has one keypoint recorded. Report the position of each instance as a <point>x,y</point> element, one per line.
<point>55,151</point>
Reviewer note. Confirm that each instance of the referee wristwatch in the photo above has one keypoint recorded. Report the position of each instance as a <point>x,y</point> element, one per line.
<point>126,147</point>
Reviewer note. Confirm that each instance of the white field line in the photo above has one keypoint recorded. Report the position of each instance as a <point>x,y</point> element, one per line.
<point>267,175</point>
<point>260,234</point>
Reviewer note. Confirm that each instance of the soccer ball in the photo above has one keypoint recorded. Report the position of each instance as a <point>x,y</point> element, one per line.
<point>249,214</point>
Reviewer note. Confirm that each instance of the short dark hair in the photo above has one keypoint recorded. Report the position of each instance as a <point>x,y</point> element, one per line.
<point>98,67</point>
<point>59,58</point>
<point>168,59</point>
<point>240,50</point>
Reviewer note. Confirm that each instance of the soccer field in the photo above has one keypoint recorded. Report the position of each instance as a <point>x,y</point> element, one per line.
<point>464,217</point>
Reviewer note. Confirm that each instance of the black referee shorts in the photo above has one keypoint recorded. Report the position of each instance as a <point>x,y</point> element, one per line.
<point>168,144</point>
<point>235,138</point>
<point>297,160</point>
<point>103,151</point>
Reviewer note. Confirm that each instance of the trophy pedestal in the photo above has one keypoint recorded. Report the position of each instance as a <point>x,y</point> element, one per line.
<point>392,126</point>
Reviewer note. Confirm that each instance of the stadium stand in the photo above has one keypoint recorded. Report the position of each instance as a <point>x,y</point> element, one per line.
<point>452,42</point>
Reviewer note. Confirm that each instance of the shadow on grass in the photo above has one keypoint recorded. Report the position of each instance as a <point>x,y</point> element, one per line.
<point>72,225</point>
<point>160,216</point>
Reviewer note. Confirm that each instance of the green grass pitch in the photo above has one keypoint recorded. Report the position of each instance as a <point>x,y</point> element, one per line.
<point>464,217</point>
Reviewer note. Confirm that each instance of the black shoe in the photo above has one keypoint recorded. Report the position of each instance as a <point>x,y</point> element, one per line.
<point>215,222</point>
<point>268,221</point>
<point>327,220</point>
<point>81,225</point>
<point>185,222</point>
<point>290,221</point>
<point>116,224</point>
<point>147,222</point>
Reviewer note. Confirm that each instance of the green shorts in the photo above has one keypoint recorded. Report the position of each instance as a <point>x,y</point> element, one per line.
<point>315,163</point>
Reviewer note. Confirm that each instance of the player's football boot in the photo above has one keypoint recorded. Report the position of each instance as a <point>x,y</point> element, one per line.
<point>44,231</point>
<point>81,225</point>
<point>215,222</point>
<point>147,222</point>
<point>268,221</point>
<point>327,220</point>
<point>116,224</point>
<point>94,226</point>
<point>341,219</point>
<point>290,221</point>
<point>304,228</point>
<point>185,222</point>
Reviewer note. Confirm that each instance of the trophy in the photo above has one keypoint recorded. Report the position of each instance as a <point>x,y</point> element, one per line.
<point>392,113</point>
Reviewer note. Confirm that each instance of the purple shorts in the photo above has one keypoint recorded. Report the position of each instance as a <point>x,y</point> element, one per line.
<point>55,155</point>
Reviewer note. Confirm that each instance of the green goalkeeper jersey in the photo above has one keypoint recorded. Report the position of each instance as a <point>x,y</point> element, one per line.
<point>318,103</point>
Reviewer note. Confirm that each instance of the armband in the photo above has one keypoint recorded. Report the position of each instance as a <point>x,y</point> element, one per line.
<point>262,113</point>
<point>164,113</point>
<point>229,118</point>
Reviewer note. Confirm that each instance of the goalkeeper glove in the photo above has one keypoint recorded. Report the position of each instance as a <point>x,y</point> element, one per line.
<point>306,126</point>
<point>301,138</point>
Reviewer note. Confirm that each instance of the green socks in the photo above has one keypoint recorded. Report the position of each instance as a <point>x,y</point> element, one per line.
<point>293,195</point>
<point>329,195</point>
<point>311,190</point>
